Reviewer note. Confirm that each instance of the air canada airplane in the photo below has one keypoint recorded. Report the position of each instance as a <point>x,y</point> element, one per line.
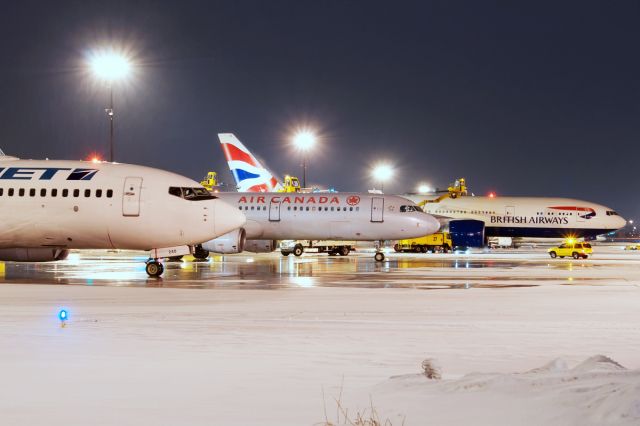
<point>320,216</point>
<point>275,216</point>
<point>49,207</point>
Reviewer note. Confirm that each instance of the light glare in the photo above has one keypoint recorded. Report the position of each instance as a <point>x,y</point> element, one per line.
<point>423,189</point>
<point>304,140</point>
<point>382,172</point>
<point>109,65</point>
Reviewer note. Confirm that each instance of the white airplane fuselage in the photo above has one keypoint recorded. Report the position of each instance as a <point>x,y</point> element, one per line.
<point>535,217</point>
<point>84,205</point>
<point>322,216</point>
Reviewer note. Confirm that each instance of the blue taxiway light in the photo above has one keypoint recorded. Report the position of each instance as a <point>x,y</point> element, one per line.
<point>63,315</point>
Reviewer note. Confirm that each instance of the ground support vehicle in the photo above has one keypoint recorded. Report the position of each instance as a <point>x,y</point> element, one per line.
<point>573,249</point>
<point>438,242</point>
<point>343,248</point>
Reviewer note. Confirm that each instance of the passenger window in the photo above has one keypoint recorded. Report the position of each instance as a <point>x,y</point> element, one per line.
<point>239,207</point>
<point>87,193</point>
<point>307,209</point>
<point>350,209</point>
<point>252,207</point>
<point>43,192</point>
<point>109,193</point>
<point>10,192</point>
<point>1,191</point>
<point>332,208</point>
<point>54,192</point>
<point>65,192</point>
<point>98,193</point>
<point>295,208</point>
<point>32,192</point>
<point>289,208</point>
<point>21,192</point>
<point>76,193</point>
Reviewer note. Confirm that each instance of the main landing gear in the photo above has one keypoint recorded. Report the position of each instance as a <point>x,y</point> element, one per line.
<point>200,253</point>
<point>154,268</point>
<point>379,256</point>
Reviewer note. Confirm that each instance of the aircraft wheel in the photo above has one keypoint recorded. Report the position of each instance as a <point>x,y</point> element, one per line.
<point>298,250</point>
<point>396,247</point>
<point>175,259</point>
<point>200,254</point>
<point>423,249</point>
<point>553,254</point>
<point>285,253</point>
<point>344,251</point>
<point>379,257</point>
<point>575,255</point>
<point>154,268</point>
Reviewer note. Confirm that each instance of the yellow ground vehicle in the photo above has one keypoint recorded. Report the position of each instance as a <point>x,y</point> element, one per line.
<point>632,247</point>
<point>290,184</point>
<point>573,249</point>
<point>440,241</point>
<point>210,181</point>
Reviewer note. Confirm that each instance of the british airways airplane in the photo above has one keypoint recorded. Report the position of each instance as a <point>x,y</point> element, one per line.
<point>49,207</point>
<point>250,175</point>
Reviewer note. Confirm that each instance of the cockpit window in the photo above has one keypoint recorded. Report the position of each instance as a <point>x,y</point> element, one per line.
<point>405,209</point>
<point>612,213</point>
<point>192,194</point>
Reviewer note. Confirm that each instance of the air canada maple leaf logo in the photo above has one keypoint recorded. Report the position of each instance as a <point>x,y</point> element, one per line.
<point>353,200</point>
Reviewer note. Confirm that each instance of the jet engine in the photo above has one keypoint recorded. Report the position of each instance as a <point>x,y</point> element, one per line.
<point>33,254</point>
<point>231,242</point>
<point>260,246</point>
<point>467,233</point>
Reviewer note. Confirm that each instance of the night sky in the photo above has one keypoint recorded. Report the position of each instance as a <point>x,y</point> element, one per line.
<point>524,98</point>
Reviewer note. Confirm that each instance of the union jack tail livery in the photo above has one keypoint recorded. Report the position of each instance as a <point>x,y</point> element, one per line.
<point>249,173</point>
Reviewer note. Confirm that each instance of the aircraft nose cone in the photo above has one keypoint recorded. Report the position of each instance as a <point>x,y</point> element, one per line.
<point>429,223</point>
<point>227,218</point>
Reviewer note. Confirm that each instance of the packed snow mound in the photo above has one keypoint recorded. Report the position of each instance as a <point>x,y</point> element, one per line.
<point>598,391</point>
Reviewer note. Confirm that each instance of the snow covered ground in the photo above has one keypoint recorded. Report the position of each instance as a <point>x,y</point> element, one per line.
<point>278,355</point>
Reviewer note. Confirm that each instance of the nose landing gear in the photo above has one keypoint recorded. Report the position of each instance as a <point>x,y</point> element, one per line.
<point>379,256</point>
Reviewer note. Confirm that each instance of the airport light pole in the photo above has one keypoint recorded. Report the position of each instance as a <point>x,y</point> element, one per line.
<point>382,173</point>
<point>110,67</point>
<point>304,140</point>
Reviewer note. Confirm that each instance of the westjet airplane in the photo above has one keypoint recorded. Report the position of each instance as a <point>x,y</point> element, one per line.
<point>49,207</point>
<point>308,216</point>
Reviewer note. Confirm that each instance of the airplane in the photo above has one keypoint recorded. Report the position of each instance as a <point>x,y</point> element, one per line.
<point>319,216</point>
<point>473,219</point>
<point>275,216</point>
<point>50,207</point>
<point>250,175</point>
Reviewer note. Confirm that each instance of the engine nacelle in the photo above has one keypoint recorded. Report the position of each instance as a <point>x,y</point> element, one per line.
<point>33,254</point>
<point>231,242</point>
<point>467,233</point>
<point>260,246</point>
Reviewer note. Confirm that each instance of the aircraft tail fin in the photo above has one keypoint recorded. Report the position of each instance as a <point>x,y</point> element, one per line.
<point>250,175</point>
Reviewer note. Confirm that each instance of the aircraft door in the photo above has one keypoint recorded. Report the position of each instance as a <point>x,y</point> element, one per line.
<point>510,211</point>
<point>131,196</point>
<point>274,211</point>
<point>377,209</point>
